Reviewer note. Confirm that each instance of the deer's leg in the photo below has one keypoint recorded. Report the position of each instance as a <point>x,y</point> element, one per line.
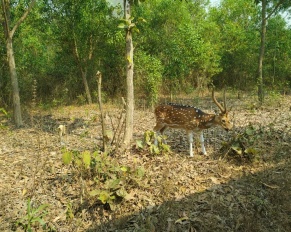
<point>190,138</point>
<point>202,144</point>
<point>159,129</point>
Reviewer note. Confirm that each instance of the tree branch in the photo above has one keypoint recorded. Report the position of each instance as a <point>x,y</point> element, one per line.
<point>22,18</point>
<point>275,9</point>
<point>6,23</point>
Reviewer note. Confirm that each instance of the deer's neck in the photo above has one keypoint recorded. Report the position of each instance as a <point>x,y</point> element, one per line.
<point>207,121</point>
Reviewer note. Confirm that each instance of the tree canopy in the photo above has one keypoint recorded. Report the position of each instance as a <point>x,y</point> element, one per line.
<point>179,46</point>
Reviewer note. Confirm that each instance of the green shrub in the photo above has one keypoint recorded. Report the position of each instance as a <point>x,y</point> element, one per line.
<point>111,180</point>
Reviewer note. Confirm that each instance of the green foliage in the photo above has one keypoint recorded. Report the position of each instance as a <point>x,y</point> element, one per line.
<point>111,180</point>
<point>130,24</point>
<point>242,147</point>
<point>148,143</point>
<point>6,115</point>
<point>182,44</point>
<point>176,38</point>
<point>2,110</point>
<point>148,70</point>
<point>238,41</point>
<point>33,217</point>
<point>69,211</point>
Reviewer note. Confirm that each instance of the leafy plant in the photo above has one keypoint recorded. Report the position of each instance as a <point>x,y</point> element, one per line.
<point>154,143</point>
<point>110,180</point>
<point>4,112</point>
<point>112,190</point>
<point>242,147</point>
<point>69,211</point>
<point>33,216</point>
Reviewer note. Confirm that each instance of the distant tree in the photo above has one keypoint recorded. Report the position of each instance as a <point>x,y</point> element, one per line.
<point>9,32</point>
<point>237,39</point>
<point>277,61</point>
<point>268,9</point>
<point>179,34</point>
<point>82,29</point>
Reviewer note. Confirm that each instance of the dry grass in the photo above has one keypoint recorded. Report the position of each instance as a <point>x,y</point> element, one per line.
<point>177,193</point>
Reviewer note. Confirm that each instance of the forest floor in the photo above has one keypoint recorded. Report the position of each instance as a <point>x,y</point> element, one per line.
<point>243,184</point>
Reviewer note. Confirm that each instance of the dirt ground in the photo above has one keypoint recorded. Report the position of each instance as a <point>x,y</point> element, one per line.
<point>224,191</point>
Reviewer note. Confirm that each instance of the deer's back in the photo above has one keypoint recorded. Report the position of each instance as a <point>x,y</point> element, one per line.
<point>178,115</point>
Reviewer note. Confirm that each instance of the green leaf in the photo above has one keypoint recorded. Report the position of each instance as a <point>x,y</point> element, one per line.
<point>122,26</point>
<point>140,172</point>
<point>129,59</point>
<point>140,19</point>
<point>3,111</point>
<point>95,154</point>
<point>165,147</point>
<point>40,220</point>
<point>238,150</point>
<point>86,159</point>
<point>154,149</point>
<point>121,192</point>
<point>112,184</point>
<point>105,197</point>
<point>135,29</point>
<point>67,157</point>
<point>78,162</point>
<point>41,208</point>
<point>94,193</point>
<point>132,25</point>
<point>139,144</point>
<point>124,169</point>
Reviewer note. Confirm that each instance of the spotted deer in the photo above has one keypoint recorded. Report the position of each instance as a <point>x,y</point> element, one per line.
<point>191,119</point>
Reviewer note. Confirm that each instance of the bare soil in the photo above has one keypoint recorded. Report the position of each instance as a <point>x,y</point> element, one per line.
<point>218,192</point>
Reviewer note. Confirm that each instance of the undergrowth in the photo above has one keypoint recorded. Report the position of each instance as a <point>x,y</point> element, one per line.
<point>109,180</point>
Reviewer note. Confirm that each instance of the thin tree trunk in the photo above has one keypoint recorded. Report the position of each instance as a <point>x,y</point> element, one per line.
<point>262,51</point>
<point>129,80</point>
<point>10,56</point>
<point>85,82</point>
<point>99,82</point>
<point>14,83</point>
<point>83,70</point>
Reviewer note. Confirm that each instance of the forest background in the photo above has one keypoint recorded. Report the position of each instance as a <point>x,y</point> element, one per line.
<point>179,47</point>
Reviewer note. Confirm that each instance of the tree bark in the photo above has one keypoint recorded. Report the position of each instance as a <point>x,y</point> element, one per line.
<point>14,83</point>
<point>129,80</point>
<point>85,82</point>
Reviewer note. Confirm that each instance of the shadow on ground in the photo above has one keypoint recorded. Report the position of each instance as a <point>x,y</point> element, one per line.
<point>254,202</point>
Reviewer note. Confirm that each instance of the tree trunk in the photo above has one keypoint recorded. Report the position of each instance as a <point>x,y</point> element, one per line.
<point>14,82</point>
<point>129,80</point>
<point>10,56</point>
<point>85,82</point>
<point>262,51</point>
